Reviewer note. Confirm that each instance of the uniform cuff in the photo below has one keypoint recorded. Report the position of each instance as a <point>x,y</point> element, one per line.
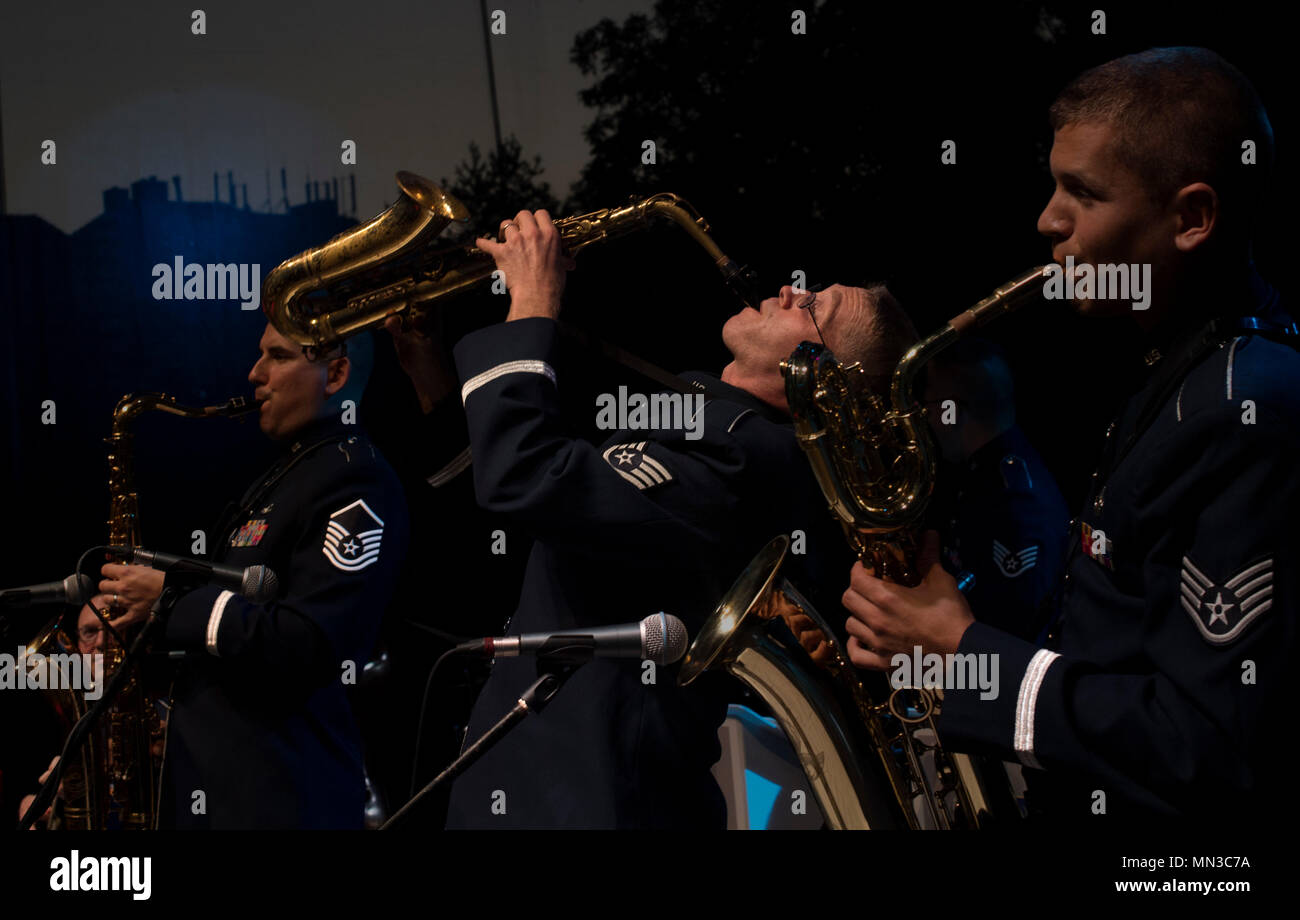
<point>525,346</point>
<point>1003,725</point>
<point>196,618</point>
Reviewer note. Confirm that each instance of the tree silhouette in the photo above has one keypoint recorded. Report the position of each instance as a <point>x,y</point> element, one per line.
<point>495,187</point>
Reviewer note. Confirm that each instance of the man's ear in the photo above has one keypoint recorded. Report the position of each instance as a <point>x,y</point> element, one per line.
<point>336,375</point>
<point>1197,210</point>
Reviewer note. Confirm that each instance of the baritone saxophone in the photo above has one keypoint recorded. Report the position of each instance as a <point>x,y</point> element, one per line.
<point>873,758</point>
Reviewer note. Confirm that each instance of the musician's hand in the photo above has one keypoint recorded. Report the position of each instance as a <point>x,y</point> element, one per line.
<point>26,801</point>
<point>423,356</point>
<point>534,264</point>
<point>888,619</point>
<point>134,587</point>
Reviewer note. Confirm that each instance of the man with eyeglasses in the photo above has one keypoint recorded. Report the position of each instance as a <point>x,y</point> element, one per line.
<point>89,641</point>
<point>649,520</point>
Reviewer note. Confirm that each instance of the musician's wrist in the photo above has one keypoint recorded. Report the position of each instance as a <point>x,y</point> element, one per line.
<point>528,305</point>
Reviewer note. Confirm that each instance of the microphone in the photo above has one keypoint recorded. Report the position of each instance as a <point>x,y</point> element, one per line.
<point>75,590</point>
<point>660,638</point>
<point>257,582</point>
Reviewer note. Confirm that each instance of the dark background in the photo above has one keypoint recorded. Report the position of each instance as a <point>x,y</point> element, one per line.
<point>816,152</point>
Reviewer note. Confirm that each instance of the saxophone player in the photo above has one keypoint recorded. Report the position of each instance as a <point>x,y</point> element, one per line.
<point>670,516</point>
<point>261,734</point>
<point>1159,690</point>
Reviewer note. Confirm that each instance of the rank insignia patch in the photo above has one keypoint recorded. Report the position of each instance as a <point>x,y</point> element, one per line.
<point>1221,612</point>
<point>250,534</point>
<point>1012,564</point>
<point>636,466</point>
<point>352,537</point>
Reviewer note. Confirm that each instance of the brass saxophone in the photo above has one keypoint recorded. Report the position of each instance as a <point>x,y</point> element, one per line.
<point>113,781</point>
<point>391,265</point>
<point>871,764</point>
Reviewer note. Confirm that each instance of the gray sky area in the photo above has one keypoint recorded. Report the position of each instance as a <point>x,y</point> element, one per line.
<point>126,90</point>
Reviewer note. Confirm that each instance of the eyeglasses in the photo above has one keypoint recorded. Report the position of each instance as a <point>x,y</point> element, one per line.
<point>807,303</point>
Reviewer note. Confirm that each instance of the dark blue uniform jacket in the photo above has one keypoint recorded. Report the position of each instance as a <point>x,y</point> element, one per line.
<point>1165,690</point>
<point>1006,525</point>
<point>648,521</point>
<point>261,724</point>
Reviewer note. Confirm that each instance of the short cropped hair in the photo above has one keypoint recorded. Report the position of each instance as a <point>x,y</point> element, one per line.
<point>360,352</point>
<point>1181,116</point>
<point>877,337</point>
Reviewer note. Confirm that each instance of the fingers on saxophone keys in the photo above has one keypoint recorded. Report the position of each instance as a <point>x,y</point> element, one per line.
<point>863,657</point>
<point>527,223</point>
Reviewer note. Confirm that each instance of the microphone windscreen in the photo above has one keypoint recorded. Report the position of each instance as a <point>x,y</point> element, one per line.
<point>663,638</point>
<point>79,589</point>
<point>260,584</point>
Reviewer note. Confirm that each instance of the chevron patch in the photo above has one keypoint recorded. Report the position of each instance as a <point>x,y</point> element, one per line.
<point>1222,611</point>
<point>352,537</point>
<point>1013,565</point>
<point>636,466</point>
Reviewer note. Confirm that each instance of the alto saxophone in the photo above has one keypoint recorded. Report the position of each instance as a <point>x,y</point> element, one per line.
<point>391,266</point>
<point>871,764</point>
<point>113,781</point>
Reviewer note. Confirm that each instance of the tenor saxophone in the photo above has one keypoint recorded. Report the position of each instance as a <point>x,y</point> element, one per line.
<point>392,264</point>
<point>871,764</point>
<point>112,783</point>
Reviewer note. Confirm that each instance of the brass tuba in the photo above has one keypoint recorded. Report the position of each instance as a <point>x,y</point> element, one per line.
<point>112,783</point>
<point>870,764</point>
<point>391,265</point>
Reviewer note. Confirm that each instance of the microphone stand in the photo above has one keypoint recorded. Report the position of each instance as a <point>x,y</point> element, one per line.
<point>174,584</point>
<point>555,665</point>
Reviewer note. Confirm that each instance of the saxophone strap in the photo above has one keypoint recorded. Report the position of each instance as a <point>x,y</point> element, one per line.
<point>258,492</point>
<point>629,360</point>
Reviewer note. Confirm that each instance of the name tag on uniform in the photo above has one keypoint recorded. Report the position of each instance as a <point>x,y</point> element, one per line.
<point>250,534</point>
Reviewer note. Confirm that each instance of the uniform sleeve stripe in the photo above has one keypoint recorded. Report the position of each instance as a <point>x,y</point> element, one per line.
<point>1232,353</point>
<point>510,367</point>
<point>214,619</point>
<point>1026,703</point>
<point>453,469</point>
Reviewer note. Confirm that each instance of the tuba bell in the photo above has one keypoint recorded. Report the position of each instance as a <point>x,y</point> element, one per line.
<point>392,264</point>
<point>870,764</point>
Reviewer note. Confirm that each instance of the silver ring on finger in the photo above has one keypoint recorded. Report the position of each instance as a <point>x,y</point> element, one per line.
<point>508,224</point>
<point>115,600</point>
